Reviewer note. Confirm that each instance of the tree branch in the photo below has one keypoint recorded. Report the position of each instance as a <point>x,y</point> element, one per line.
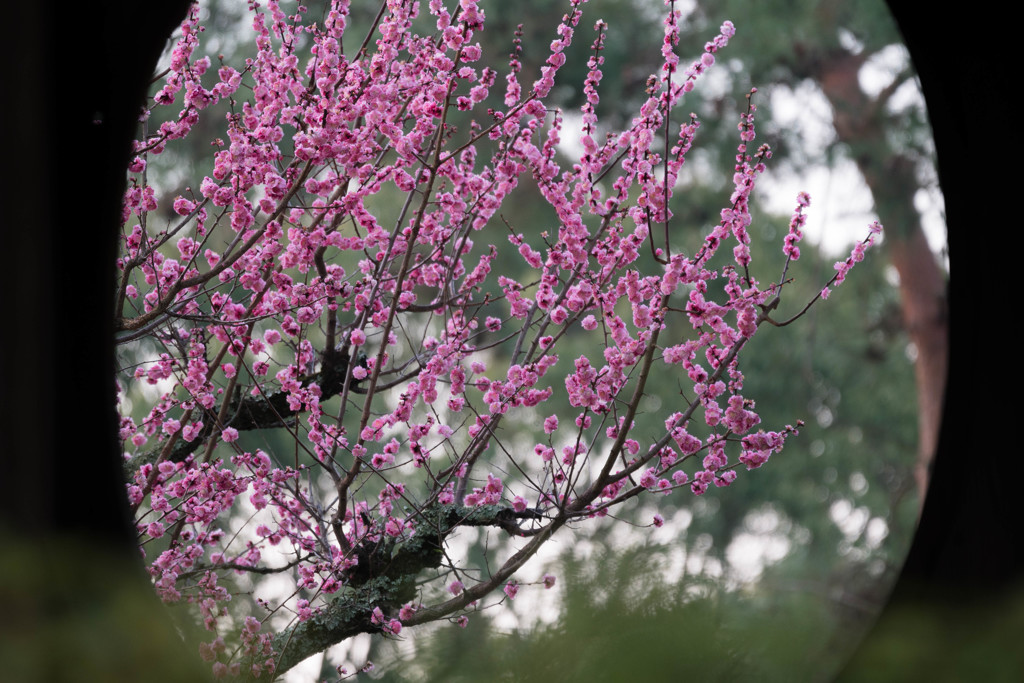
<point>255,412</point>
<point>387,585</point>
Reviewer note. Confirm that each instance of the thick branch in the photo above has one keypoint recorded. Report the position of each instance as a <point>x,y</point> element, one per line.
<point>388,584</point>
<point>255,412</point>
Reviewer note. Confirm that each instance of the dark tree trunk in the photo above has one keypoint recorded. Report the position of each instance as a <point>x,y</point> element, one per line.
<point>77,604</point>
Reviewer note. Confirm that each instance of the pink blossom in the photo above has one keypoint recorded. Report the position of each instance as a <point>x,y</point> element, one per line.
<point>407,611</point>
<point>190,431</point>
<point>550,424</point>
<point>183,207</point>
<point>727,477</point>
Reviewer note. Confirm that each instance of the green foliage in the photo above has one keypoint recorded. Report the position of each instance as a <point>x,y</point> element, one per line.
<point>947,641</point>
<point>620,620</point>
<point>83,623</point>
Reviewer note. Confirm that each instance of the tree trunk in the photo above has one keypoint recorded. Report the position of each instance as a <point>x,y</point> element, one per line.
<point>923,293</point>
<point>892,178</point>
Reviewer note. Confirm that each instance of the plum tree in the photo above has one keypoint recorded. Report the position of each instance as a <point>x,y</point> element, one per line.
<point>325,380</point>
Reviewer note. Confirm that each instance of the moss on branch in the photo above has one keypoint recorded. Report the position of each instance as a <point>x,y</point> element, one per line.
<point>390,583</point>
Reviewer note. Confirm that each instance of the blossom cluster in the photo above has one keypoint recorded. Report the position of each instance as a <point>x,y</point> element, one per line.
<point>333,278</point>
